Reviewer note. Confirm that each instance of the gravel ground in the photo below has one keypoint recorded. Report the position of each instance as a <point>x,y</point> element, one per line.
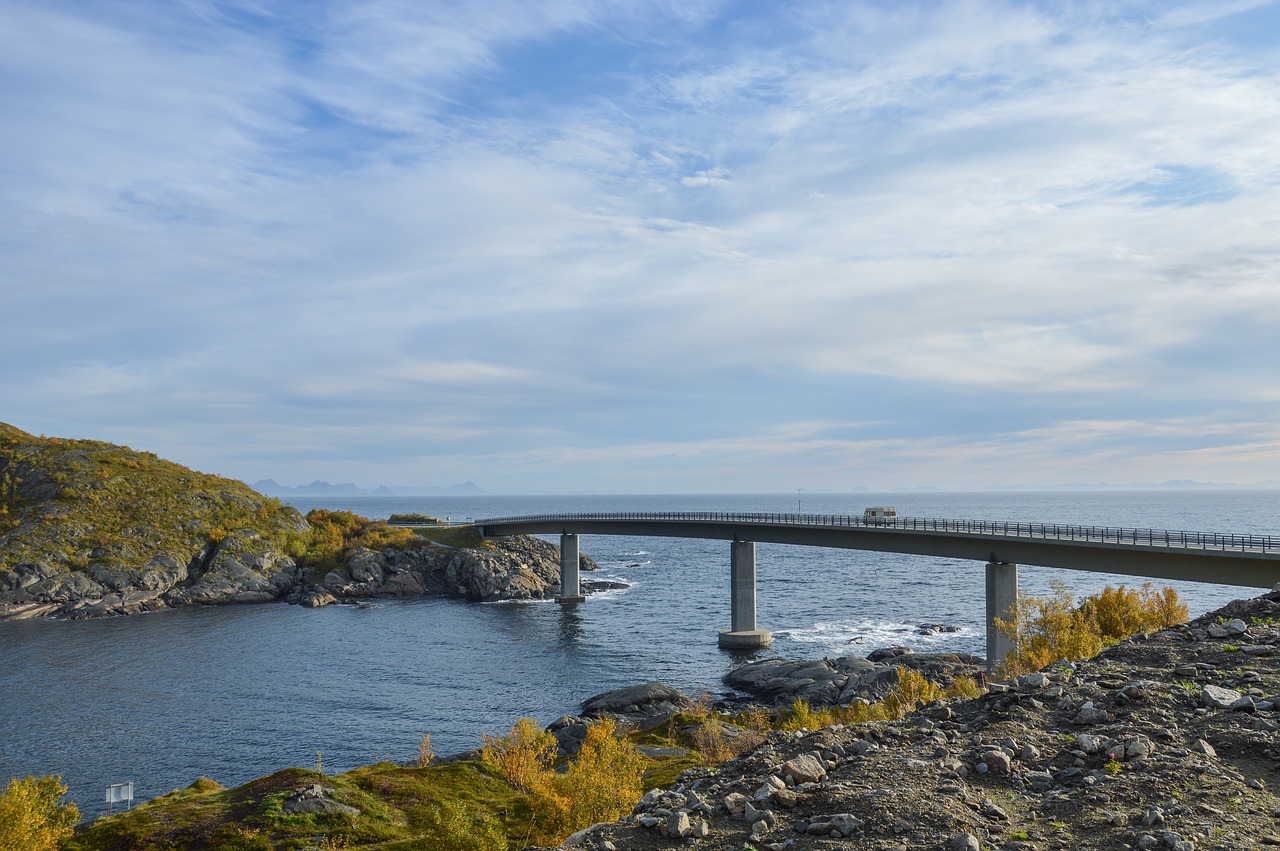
<point>1166,741</point>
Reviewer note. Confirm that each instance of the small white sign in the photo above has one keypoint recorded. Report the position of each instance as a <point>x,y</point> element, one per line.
<point>118,793</point>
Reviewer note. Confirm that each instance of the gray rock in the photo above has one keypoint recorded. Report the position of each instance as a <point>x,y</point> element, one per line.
<point>997,762</point>
<point>806,768</point>
<point>678,826</point>
<point>1204,749</point>
<point>1217,697</point>
<point>644,705</point>
<point>836,825</point>
<point>1090,714</point>
<point>1230,629</point>
<point>315,799</point>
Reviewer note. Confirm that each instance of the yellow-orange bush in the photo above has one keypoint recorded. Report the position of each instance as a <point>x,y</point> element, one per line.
<point>604,780</point>
<point>33,816</point>
<point>709,741</point>
<point>1050,629</point>
<point>600,784</point>
<point>524,757</point>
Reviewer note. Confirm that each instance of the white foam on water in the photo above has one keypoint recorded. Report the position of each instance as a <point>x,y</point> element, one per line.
<point>858,637</point>
<point>612,593</point>
<point>622,565</point>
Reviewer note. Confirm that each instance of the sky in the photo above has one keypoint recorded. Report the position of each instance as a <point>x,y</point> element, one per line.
<point>646,246</point>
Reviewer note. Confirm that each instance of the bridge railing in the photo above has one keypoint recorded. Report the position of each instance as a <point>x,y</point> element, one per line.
<point>1047,531</point>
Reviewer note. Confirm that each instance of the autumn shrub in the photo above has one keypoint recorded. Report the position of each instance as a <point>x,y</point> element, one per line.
<point>600,784</point>
<point>1121,612</point>
<point>604,780</point>
<point>801,716</point>
<point>33,816</point>
<point>335,533</point>
<point>912,688</point>
<point>708,740</point>
<point>524,756</point>
<point>962,688</point>
<point>425,752</point>
<point>754,725</point>
<point>1051,629</point>
<point>452,826</point>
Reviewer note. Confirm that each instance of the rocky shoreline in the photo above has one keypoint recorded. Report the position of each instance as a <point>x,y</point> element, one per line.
<point>240,570</point>
<point>1163,741</point>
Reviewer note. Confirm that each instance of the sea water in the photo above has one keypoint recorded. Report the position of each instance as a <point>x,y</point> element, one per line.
<point>235,692</point>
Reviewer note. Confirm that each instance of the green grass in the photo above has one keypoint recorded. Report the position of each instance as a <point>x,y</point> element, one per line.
<point>399,807</point>
<point>455,536</point>
<point>82,502</point>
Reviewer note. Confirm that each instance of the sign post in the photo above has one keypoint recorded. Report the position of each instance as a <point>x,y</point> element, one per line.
<point>120,792</point>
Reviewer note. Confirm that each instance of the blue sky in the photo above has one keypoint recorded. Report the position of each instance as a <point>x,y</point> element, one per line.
<point>647,246</point>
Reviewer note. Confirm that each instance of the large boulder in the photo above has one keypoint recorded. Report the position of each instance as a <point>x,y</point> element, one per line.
<point>829,682</point>
<point>645,705</point>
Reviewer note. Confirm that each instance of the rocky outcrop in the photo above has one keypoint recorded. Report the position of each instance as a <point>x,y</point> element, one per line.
<point>831,682</point>
<point>514,568</point>
<point>1168,741</point>
<point>90,528</point>
<point>239,570</point>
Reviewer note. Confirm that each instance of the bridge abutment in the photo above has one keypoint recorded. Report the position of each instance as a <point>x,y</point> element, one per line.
<point>570,584</point>
<point>743,634</point>
<point>1002,601</point>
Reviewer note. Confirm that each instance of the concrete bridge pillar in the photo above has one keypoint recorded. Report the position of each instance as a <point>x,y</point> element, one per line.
<point>570,587</point>
<point>743,634</point>
<point>1002,599</point>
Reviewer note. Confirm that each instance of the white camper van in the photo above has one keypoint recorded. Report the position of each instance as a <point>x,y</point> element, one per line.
<point>880,514</point>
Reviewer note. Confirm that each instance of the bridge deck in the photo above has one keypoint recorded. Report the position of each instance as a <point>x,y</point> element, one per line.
<point>1229,559</point>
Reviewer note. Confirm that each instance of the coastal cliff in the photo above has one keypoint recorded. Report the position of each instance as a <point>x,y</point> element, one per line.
<point>93,529</point>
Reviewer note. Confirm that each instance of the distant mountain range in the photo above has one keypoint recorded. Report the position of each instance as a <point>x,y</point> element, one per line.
<point>271,487</point>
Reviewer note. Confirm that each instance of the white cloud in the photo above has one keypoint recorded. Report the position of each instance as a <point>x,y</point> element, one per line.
<point>707,177</point>
<point>928,208</point>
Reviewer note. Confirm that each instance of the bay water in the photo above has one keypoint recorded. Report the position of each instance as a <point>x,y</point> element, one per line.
<point>235,692</point>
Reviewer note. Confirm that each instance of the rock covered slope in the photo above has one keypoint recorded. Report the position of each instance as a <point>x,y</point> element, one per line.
<point>515,568</point>
<point>1167,741</point>
<point>90,528</point>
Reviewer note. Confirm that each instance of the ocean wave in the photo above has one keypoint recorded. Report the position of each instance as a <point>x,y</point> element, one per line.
<point>857,637</point>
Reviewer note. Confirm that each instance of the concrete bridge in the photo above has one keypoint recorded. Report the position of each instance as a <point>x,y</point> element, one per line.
<point>1222,559</point>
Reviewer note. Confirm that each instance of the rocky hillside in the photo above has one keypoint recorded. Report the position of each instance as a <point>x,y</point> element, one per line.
<point>93,528</point>
<point>89,529</point>
<point>1168,741</point>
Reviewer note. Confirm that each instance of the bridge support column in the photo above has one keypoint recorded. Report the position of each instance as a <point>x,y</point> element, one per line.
<point>570,587</point>
<point>1002,599</point>
<point>743,634</point>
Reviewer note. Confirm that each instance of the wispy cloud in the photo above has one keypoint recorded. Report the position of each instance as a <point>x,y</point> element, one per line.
<point>503,237</point>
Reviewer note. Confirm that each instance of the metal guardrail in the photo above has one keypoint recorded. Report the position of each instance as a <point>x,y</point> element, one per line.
<point>1042,531</point>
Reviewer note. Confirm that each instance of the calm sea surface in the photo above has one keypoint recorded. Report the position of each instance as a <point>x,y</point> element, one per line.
<point>239,691</point>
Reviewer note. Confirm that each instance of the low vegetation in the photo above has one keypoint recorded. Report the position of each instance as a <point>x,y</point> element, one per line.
<point>33,816</point>
<point>414,518</point>
<point>72,503</point>
<point>1045,630</point>
<point>334,534</point>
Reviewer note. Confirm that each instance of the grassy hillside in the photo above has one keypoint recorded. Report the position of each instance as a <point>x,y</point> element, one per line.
<point>73,504</point>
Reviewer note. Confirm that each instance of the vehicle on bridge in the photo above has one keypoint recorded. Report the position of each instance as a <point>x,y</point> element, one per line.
<point>880,514</point>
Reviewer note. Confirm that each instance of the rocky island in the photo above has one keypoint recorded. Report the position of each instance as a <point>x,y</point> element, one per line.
<point>91,529</point>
